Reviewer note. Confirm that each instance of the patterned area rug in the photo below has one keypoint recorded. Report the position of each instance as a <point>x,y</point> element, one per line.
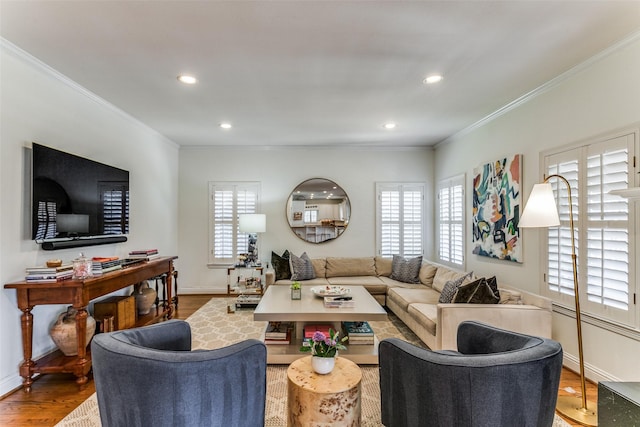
<point>212,327</point>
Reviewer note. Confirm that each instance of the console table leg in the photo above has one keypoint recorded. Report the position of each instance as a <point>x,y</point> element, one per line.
<point>81,331</point>
<point>26,322</point>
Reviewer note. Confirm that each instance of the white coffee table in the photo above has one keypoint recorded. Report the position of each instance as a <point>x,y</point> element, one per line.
<point>277,306</point>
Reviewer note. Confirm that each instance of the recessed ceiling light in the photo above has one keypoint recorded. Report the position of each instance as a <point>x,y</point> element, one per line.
<point>187,79</point>
<point>225,125</point>
<point>389,125</point>
<point>434,78</point>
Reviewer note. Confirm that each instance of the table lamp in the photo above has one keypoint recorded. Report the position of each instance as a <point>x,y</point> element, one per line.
<point>252,224</point>
<point>541,211</point>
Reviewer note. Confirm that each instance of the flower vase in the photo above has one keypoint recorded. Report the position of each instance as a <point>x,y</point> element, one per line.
<point>145,297</point>
<point>322,365</point>
<point>64,335</point>
<point>296,293</point>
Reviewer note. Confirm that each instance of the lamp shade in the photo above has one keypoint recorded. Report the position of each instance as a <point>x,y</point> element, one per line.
<point>541,209</point>
<point>252,223</point>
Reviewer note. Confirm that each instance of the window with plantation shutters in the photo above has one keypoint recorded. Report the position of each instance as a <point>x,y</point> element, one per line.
<point>114,202</point>
<point>450,221</point>
<point>400,219</point>
<point>606,271</point>
<point>226,202</point>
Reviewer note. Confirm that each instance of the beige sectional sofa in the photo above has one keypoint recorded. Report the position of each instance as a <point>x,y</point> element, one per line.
<point>417,305</point>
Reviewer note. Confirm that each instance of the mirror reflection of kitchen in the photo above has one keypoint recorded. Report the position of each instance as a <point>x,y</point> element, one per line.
<point>318,210</point>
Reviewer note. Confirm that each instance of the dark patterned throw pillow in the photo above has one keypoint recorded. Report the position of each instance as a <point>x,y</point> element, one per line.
<point>281,265</point>
<point>302,267</point>
<point>451,287</point>
<point>493,284</point>
<point>406,270</point>
<point>477,292</point>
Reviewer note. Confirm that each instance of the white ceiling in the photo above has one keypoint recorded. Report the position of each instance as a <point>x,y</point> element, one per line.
<point>314,72</point>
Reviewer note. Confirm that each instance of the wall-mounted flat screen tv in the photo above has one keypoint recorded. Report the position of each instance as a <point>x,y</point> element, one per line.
<point>77,198</point>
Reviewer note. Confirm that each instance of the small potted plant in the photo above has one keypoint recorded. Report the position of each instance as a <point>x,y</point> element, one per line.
<point>324,350</point>
<point>296,290</point>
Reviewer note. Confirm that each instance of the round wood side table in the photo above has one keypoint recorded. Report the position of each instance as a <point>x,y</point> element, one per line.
<point>331,399</point>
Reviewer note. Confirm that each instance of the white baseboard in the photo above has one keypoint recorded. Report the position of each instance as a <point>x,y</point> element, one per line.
<point>590,372</point>
<point>10,384</point>
<point>201,291</point>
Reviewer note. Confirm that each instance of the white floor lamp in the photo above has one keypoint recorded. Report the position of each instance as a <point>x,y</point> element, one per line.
<point>541,211</point>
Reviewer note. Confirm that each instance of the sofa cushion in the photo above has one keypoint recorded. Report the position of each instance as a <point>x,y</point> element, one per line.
<point>443,275</point>
<point>427,273</point>
<point>403,297</point>
<point>373,284</point>
<point>318,281</point>
<point>426,315</point>
<point>451,288</point>
<point>383,266</point>
<point>281,265</point>
<point>320,266</point>
<point>395,284</point>
<point>406,269</point>
<point>476,292</point>
<point>301,267</point>
<point>344,267</point>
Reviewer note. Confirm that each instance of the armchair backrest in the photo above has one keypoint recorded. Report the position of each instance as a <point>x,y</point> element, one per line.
<point>511,379</point>
<point>148,376</point>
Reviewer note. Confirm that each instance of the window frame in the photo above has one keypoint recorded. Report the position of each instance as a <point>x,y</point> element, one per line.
<point>402,188</point>
<point>451,184</point>
<point>594,312</point>
<point>238,240</point>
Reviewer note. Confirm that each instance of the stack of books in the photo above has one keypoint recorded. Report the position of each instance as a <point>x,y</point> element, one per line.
<point>311,329</point>
<point>278,333</point>
<point>339,302</point>
<point>359,333</point>
<point>101,265</point>
<point>144,254</point>
<point>49,274</point>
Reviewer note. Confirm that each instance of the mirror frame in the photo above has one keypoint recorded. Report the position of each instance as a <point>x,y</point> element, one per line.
<point>325,228</point>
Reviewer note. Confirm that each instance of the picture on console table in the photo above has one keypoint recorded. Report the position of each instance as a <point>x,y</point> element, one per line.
<point>496,209</point>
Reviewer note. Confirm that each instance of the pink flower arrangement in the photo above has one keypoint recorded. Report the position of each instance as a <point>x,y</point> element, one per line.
<point>324,346</point>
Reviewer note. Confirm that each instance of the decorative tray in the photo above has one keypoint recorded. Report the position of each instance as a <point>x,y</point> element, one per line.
<point>330,291</point>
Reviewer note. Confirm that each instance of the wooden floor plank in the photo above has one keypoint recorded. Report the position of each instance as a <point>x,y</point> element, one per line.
<point>53,396</point>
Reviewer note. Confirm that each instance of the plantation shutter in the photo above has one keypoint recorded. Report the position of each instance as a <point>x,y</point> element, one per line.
<point>603,228</point>
<point>227,202</point>
<point>560,267</point>
<point>450,221</point>
<point>400,219</point>
<point>607,218</point>
<point>115,208</point>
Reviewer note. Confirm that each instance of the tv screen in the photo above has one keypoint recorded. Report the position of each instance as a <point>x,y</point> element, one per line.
<point>76,198</point>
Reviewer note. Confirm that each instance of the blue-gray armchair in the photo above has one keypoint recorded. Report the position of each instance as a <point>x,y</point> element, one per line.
<point>150,377</point>
<point>496,378</point>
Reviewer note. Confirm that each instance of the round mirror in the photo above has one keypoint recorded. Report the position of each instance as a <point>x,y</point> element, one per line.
<point>318,210</point>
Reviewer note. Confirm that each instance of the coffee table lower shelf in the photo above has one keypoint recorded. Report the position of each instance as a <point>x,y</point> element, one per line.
<point>284,354</point>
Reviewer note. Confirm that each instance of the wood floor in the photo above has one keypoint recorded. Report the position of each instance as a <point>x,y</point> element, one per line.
<point>53,396</point>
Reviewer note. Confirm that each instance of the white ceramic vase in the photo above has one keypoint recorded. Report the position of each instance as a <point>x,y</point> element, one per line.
<point>323,365</point>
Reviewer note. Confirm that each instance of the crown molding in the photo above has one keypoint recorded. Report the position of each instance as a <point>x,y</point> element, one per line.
<point>34,62</point>
<point>556,81</point>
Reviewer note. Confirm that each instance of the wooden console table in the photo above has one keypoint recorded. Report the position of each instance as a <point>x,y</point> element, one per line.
<point>79,293</point>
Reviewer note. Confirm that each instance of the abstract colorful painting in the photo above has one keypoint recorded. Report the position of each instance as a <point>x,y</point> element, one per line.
<point>496,209</point>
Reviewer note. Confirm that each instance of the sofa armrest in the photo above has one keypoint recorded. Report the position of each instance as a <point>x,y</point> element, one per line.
<point>269,278</point>
<point>525,319</point>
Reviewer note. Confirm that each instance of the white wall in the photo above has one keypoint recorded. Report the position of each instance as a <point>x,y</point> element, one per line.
<point>280,170</point>
<point>39,105</point>
<point>600,97</point>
